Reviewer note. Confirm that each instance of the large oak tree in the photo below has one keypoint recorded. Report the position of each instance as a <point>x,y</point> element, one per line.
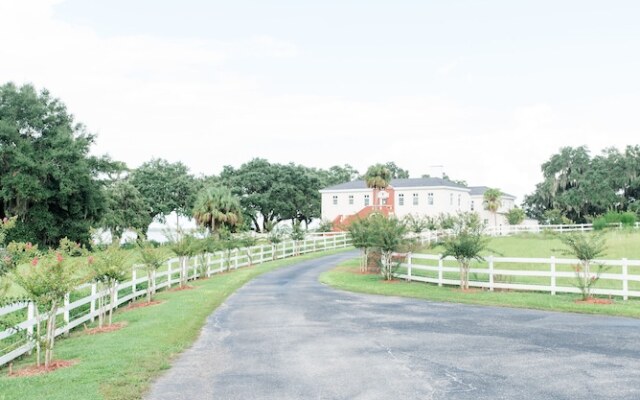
<point>47,177</point>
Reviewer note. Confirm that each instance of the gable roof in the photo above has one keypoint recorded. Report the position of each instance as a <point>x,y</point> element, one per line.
<point>399,183</point>
<point>479,191</point>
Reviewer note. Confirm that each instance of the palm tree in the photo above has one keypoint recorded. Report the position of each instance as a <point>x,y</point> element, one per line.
<point>217,207</point>
<point>492,202</point>
<point>377,177</point>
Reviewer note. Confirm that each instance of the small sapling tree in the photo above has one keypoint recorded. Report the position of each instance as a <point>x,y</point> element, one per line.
<point>205,248</point>
<point>227,243</point>
<point>276,236</point>
<point>586,248</point>
<point>465,244</point>
<point>361,238</point>
<point>109,269</point>
<point>184,246</point>
<point>152,259</point>
<point>248,241</point>
<point>388,235</point>
<point>46,281</point>
<point>297,235</point>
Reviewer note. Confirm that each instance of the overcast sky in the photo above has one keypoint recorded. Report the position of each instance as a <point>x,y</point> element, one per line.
<point>488,89</point>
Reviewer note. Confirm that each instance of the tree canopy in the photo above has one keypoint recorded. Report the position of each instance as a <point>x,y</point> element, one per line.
<point>378,176</point>
<point>47,177</point>
<point>577,186</point>
<point>216,207</point>
<point>270,193</point>
<point>125,208</point>
<point>166,187</point>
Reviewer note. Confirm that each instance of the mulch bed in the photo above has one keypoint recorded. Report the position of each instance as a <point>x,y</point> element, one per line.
<point>33,370</point>
<point>111,328</point>
<point>594,300</point>
<point>179,289</point>
<point>133,306</point>
<point>470,290</point>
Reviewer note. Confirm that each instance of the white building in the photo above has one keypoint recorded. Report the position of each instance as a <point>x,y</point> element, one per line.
<point>420,197</point>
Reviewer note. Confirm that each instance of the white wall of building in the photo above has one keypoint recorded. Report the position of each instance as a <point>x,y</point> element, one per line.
<point>446,200</point>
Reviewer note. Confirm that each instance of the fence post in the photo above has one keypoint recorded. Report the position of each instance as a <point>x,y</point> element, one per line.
<point>625,279</point>
<point>133,283</point>
<point>65,314</point>
<point>235,263</point>
<point>92,309</point>
<point>553,275</point>
<point>335,242</point>
<point>409,262</point>
<point>31,314</point>
<point>491,283</point>
<point>208,265</point>
<point>440,270</point>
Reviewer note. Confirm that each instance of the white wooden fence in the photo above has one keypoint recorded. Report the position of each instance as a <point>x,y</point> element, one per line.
<point>216,262</point>
<point>507,230</point>
<point>504,230</point>
<point>419,265</point>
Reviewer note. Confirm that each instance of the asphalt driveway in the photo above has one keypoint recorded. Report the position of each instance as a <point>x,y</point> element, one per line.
<point>286,336</point>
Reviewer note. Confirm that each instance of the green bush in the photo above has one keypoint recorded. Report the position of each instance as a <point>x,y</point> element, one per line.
<point>600,223</point>
<point>626,219</point>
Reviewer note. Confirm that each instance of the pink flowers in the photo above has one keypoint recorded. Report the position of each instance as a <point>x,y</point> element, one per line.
<point>34,262</point>
<point>59,257</point>
<point>28,246</point>
<point>90,260</point>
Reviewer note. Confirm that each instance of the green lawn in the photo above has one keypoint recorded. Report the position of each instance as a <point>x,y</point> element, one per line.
<point>346,277</point>
<point>620,243</point>
<point>121,365</point>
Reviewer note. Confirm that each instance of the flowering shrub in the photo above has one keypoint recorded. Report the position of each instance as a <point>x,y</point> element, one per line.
<point>109,269</point>
<point>46,281</point>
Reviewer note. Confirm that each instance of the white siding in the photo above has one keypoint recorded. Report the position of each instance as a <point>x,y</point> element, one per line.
<point>440,201</point>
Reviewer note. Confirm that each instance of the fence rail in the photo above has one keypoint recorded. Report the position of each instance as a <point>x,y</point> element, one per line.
<point>431,268</point>
<point>84,309</point>
<point>504,230</point>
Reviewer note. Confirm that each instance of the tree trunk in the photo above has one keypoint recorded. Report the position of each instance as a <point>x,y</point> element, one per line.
<point>50,334</point>
<point>100,306</point>
<point>149,286</point>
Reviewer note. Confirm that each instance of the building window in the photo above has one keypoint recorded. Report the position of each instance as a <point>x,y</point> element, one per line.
<point>366,200</point>
<point>430,199</point>
<point>450,199</point>
<point>401,199</point>
<point>350,199</point>
<point>472,205</point>
<point>415,199</point>
<point>459,200</point>
<point>335,200</point>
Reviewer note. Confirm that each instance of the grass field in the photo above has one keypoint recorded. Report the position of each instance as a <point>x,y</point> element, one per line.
<point>347,277</point>
<point>620,244</point>
<point>120,365</point>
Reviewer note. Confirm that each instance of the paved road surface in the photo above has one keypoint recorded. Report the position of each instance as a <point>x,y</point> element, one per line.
<point>286,336</point>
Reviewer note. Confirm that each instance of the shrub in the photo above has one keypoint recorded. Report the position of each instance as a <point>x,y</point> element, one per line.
<point>600,223</point>
<point>586,248</point>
